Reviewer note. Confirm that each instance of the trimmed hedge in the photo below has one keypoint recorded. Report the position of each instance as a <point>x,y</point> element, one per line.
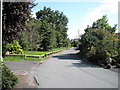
<point>9,80</point>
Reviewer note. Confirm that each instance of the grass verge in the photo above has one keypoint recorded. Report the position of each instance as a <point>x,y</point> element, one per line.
<point>19,58</point>
<point>42,52</point>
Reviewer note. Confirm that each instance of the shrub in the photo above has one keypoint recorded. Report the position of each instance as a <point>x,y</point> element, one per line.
<point>117,58</point>
<point>14,47</point>
<point>91,52</point>
<point>98,45</point>
<point>9,80</point>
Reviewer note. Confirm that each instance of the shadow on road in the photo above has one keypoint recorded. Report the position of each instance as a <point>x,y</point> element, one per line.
<point>76,61</point>
<point>82,64</point>
<point>67,57</point>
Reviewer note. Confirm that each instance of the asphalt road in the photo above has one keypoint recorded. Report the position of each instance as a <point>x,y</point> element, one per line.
<point>67,70</point>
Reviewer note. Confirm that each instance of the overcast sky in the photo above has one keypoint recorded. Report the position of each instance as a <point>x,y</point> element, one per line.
<point>81,12</point>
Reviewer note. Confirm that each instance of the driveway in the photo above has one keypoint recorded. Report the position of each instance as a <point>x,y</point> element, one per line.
<point>67,70</point>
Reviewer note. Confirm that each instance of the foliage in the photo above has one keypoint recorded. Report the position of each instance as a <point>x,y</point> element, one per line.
<point>75,43</point>
<point>102,24</point>
<point>30,39</point>
<point>48,34</point>
<point>53,28</point>
<point>14,16</point>
<point>9,80</point>
<point>24,40</point>
<point>87,41</point>
<point>117,45</point>
<point>105,46</point>
<point>66,42</point>
<point>34,38</point>
<point>99,42</point>
<point>14,47</point>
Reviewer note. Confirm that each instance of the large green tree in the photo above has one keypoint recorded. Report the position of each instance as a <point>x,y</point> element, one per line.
<point>53,28</point>
<point>48,36</point>
<point>30,38</point>
<point>14,16</point>
<point>99,41</point>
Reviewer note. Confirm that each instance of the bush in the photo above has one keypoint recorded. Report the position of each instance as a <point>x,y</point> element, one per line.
<point>98,45</point>
<point>14,47</point>
<point>9,80</point>
<point>91,52</point>
<point>117,58</point>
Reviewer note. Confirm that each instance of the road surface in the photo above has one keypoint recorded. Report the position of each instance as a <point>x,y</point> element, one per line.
<point>67,70</point>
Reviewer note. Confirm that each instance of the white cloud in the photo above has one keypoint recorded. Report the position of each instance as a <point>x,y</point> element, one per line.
<point>107,7</point>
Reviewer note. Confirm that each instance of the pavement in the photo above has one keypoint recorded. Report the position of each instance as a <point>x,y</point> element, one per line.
<point>67,70</point>
<point>64,70</point>
<point>23,70</point>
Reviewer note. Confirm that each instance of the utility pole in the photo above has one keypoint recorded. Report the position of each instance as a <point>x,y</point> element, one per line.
<point>1,59</point>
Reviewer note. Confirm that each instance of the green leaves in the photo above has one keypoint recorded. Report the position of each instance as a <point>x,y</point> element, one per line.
<point>53,28</point>
<point>102,24</point>
<point>8,78</point>
<point>14,17</point>
<point>14,47</point>
<point>97,43</point>
<point>100,36</point>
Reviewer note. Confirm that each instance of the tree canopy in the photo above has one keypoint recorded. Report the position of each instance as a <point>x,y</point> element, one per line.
<point>99,41</point>
<point>47,31</point>
<point>14,17</point>
<point>53,28</point>
<point>102,24</point>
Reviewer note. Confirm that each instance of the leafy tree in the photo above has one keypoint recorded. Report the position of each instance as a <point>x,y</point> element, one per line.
<point>87,41</point>
<point>66,43</point>
<point>59,39</point>
<point>102,24</point>
<point>14,17</point>
<point>117,45</point>
<point>98,44</point>
<point>106,42</point>
<point>53,23</point>
<point>24,40</point>
<point>33,27</point>
<point>48,35</point>
<point>75,43</point>
<point>56,19</point>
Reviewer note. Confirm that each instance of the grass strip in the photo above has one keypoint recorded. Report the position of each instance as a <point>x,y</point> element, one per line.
<point>19,58</point>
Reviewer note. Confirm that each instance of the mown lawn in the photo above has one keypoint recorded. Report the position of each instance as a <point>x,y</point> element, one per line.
<point>19,58</point>
<point>41,52</point>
